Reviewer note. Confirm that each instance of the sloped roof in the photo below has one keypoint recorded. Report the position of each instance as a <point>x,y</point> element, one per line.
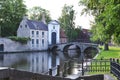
<point>37,25</point>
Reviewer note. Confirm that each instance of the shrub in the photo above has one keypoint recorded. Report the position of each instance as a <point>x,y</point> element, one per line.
<point>22,40</point>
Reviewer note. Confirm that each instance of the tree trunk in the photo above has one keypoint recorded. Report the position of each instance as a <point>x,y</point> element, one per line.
<point>106,47</point>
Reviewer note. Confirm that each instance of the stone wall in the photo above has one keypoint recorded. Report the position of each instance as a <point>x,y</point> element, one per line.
<point>23,75</point>
<point>11,46</point>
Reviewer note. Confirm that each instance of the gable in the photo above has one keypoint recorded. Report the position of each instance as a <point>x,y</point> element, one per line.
<point>54,22</point>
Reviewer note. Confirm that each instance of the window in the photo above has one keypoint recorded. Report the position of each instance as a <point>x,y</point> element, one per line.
<point>20,26</point>
<point>42,34</point>
<point>32,41</point>
<point>43,42</point>
<point>32,33</point>
<point>37,33</point>
<point>37,42</point>
<point>53,27</point>
<point>25,26</point>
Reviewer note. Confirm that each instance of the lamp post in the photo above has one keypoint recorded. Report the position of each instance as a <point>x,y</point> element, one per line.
<point>0,19</point>
<point>0,31</point>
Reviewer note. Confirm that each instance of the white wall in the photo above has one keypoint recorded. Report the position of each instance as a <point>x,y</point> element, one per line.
<point>51,29</point>
<point>23,31</point>
<point>39,37</point>
<point>10,45</point>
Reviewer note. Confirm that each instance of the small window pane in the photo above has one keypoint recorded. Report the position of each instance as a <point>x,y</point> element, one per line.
<point>42,34</point>
<point>32,33</point>
<point>32,41</point>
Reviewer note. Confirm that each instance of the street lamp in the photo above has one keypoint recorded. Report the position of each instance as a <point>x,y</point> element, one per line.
<point>0,19</point>
<point>0,31</point>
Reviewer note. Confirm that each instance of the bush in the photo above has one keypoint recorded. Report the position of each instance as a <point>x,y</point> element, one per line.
<point>22,40</point>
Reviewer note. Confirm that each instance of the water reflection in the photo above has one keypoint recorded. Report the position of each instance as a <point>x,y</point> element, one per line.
<point>39,62</point>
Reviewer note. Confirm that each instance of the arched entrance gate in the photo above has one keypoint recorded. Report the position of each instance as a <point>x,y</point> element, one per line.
<point>53,38</point>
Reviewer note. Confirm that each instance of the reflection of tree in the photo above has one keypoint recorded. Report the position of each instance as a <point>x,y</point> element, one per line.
<point>21,63</point>
<point>90,52</point>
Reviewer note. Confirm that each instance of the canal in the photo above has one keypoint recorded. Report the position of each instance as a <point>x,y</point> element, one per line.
<point>39,62</point>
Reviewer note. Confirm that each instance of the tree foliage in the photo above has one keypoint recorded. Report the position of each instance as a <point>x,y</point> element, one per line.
<point>67,21</point>
<point>11,13</point>
<point>107,19</point>
<point>36,13</point>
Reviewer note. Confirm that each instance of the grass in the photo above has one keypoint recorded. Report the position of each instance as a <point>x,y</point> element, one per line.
<point>114,52</point>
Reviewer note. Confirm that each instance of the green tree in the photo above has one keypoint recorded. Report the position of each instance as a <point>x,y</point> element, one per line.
<point>106,22</point>
<point>11,13</point>
<point>67,21</point>
<point>36,13</point>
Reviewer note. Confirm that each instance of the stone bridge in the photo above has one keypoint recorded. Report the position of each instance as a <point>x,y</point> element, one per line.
<point>83,48</point>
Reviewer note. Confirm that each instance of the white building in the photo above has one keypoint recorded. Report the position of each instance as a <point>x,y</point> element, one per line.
<point>37,31</point>
<point>40,34</point>
<point>54,32</point>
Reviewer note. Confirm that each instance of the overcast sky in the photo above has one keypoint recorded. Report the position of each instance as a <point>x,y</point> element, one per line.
<point>55,7</point>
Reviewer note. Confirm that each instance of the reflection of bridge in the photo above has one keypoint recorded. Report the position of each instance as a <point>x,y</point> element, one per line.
<point>82,47</point>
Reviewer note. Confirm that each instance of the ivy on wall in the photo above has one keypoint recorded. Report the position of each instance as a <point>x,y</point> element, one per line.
<point>22,40</point>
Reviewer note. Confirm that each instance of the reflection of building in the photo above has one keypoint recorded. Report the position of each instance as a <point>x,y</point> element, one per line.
<point>33,62</point>
<point>42,62</point>
<point>39,62</point>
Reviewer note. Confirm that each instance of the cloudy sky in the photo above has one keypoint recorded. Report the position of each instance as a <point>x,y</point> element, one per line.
<point>55,7</point>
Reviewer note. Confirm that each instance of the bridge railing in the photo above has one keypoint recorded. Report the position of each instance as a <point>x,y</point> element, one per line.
<point>74,43</point>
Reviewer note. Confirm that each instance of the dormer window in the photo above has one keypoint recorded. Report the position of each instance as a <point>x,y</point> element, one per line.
<point>25,26</point>
<point>20,26</point>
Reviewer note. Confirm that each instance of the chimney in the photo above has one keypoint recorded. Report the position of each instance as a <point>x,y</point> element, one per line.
<point>43,18</point>
<point>25,17</point>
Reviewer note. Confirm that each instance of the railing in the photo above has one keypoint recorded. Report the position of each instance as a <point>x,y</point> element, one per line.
<point>97,65</point>
<point>115,67</point>
<point>88,65</point>
<point>55,71</point>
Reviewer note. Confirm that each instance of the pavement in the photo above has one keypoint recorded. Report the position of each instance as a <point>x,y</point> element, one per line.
<point>106,76</point>
<point>109,77</point>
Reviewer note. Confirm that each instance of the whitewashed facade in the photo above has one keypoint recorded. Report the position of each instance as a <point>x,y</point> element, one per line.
<point>54,32</point>
<point>35,30</point>
<point>40,33</point>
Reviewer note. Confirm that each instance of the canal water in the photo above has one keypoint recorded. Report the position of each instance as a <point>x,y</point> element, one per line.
<point>37,62</point>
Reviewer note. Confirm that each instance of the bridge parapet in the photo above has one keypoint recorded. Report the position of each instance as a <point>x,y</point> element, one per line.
<point>81,45</point>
